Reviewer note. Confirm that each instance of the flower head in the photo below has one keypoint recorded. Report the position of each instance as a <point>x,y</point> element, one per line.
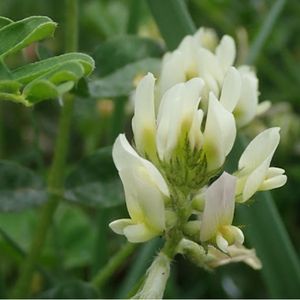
<point>184,127</point>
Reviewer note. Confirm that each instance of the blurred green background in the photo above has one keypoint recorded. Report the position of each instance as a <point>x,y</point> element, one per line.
<point>80,242</point>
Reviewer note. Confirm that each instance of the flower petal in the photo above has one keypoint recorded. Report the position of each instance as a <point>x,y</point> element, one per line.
<point>219,206</point>
<point>226,52</point>
<point>175,115</point>
<point>124,156</point>
<point>208,64</point>
<point>254,180</point>
<point>275,178</point>
<point>231,89</point>
<point>222,243</point>
<point>246,107</point>
<point>261,148</point>
<point>118,225</point>
<point>143,122</point>
<point>172,71</point>
<point>145,202</point>
<point>138,233</point>
<point>219,133</point>
<point>206,37</point>
<point>195,134</point>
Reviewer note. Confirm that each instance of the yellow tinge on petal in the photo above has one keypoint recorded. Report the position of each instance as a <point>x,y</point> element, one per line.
<point>145,194</point>
<point>218,213</point>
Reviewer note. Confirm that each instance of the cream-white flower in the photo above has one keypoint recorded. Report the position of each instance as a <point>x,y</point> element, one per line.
<point>181,64</point>
<point>218,214</point>
<point>179,118</point>
<point>219,134</point>
<point>254,172</point>
<point>143,122</point>
<point>176,132</point>
<point>145,193</point>
<point>198,56</point>
<point>247,106</point>
<point>237,89</point>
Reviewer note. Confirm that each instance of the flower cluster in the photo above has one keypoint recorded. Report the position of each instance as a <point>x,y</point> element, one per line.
<point>184,128</point>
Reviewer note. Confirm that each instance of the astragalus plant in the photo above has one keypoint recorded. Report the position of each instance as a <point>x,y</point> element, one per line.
<point>174,176</point>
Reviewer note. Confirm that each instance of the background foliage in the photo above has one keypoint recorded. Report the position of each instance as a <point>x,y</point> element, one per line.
<point>124,41</point>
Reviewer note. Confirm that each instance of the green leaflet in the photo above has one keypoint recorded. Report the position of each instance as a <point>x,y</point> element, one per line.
<point>17,35</point>
<point>267,233</point>
<point>42,80</point>
<point>29,72</point>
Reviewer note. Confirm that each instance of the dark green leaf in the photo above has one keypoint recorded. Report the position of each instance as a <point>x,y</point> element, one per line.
<point>120,51</point>
<point>121,82</point>
<point>20,188</point>
<point>95,181</point>
<point>18,35</point>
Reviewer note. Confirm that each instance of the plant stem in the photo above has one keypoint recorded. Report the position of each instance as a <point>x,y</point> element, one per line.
<point>105,273</point>
<point>56,175</point>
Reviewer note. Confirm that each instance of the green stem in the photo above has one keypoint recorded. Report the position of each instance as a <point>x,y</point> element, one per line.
<point>113,264</point>
<point>56,175</point>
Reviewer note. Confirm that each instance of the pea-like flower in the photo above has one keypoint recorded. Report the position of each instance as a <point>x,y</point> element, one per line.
<point>176,139</point>
<point>145,194</point>
<point>218,214</point>
<point>237,88</point>
<point>254,172</point>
